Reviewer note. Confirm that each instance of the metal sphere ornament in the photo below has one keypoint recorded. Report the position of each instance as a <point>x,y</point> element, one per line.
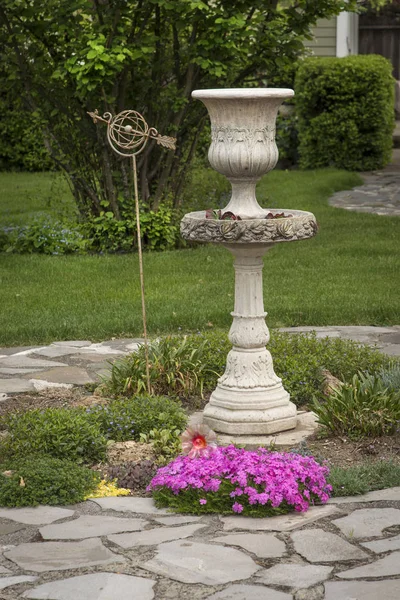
<point>128,134</point>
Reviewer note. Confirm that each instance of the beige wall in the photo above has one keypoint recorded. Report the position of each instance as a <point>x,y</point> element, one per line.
<point>324,43</point>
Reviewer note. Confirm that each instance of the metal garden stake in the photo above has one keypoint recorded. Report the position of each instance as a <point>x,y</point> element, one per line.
<point>128,134</point>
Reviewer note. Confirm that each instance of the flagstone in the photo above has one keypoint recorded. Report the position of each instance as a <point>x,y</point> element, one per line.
<point>176,520</point>
<point>88,526</point>
<point>368,522</point>
<point>362,590</point>
<point>38,515</point>
<point>191,562</point>
<point>74,343</point>
<point>25,362</point>
<point>97,586</point>
<point>385,545</point>
<point>58,556</point>
<point>3,570</point>
<point>249,592</point>
<point>317,545</point>
<point>265,545</point>
<point>132,504</point>
<point>6,528</point>
<point>6,582</point>
<point>65,374</point>
<point>16,371</point>
<point>388,495</point>
<point>295,575</point>
<point>280,523</point>
<point>384,567</point>
<point>15,386</point>
<point>54,351</point>
<point>150,537</point>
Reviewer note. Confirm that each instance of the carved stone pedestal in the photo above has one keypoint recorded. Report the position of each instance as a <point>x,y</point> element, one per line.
<point>250,398</point>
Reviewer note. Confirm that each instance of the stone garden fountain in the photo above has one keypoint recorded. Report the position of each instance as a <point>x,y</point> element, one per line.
<point>249,400</point>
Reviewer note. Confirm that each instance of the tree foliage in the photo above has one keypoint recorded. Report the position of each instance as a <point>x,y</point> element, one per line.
<point>66,57</point>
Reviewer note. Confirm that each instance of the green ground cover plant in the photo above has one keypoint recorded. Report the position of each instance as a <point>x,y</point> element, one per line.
<point>347,274</point>
<point>360,479</point>
<point>362,407</point>
<point>37,480</point>
<point>298,360</point>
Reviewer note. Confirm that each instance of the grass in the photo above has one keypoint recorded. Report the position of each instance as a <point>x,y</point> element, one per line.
<point>27,196</point>
<point>364,478</point>
<point>348,274</point>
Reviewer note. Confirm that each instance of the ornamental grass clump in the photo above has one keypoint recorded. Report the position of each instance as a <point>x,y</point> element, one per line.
<point>255,483</point>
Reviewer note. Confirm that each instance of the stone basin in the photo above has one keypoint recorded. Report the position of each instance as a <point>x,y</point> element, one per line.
<point>301,225</point>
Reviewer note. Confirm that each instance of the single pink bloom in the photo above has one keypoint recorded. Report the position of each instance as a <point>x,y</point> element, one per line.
<point>203,501</point>
<point>237,508</point>
<point>198,440</point>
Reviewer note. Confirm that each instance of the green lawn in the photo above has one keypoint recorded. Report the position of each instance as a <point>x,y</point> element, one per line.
<point>348,274</point>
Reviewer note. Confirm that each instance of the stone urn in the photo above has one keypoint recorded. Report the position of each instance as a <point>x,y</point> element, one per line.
<point>249,399</point>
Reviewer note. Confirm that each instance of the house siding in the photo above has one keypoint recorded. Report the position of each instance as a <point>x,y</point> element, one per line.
<point>324,42</point>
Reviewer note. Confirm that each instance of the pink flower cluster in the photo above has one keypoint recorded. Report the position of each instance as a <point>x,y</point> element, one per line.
<point>257,477</point>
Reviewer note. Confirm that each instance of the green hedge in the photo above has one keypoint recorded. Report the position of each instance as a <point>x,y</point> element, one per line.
<point>345,109</point>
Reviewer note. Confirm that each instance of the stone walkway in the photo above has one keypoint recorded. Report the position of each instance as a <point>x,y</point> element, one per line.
<point>65,364</point>
<point>124,548</point>
<point>380,195</point>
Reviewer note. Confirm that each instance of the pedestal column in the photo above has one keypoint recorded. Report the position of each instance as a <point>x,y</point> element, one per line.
<point>250,398</point>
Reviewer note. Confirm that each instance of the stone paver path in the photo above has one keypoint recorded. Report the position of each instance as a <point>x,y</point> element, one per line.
<point>66,364</point>
<point>124,548</point>
<point>380,195</point>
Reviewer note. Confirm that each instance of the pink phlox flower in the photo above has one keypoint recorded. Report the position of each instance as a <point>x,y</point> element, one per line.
<point>237,508</point>
<point>203,501</point>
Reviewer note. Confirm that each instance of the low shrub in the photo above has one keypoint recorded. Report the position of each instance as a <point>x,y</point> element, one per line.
<point>133,476</point>
<point>176,366</point>
<point>254,483</point>
<point>129,418</point>
<point>345,109</point>
<point>42,236</point>
<point>362,408</point>
<point>44,480</point>
<point>58,432</point>
<point>361,479</point>
<point>107,488</point>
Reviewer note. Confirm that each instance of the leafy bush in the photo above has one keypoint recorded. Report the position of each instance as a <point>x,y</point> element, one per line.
<point>127,418</point>
<point>44,480</point>
<point>362,408</point>
<point>345,108</point>
<point>159,229</point>
<point>176,366</point>
<point>166,443</point>
<point>391,377</point>
<point>42,236</point>
<point>361,479</point>
<point>255,483</point>
<point>133,476</point>
<point>58,432</point>
<point>287,139</point>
